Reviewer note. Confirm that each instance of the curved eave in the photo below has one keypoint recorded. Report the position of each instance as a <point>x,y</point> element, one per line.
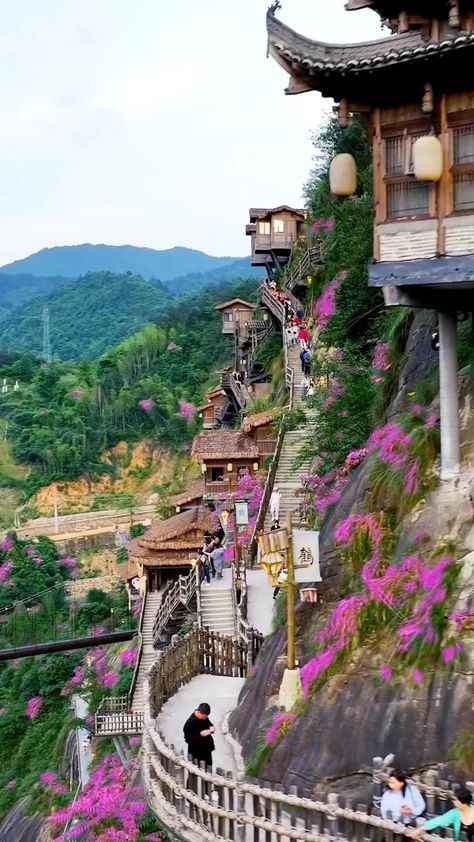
<point>316,65</point>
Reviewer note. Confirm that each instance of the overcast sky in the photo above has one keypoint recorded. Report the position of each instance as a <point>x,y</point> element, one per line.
<point>152,122</point>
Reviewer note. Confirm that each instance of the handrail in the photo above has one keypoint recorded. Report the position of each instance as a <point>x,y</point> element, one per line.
<point>267,490</point>
<point>310,258</point>
<point>228,381</point>
<point>272,302</point>
<point>139,648</point>
<point>178,592</point>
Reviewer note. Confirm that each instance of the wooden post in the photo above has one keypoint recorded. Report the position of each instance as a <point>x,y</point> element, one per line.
<point>377,769</point>
<point>291,597</point>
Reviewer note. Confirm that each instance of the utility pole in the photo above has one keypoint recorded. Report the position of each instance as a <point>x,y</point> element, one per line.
<point>47,356</point>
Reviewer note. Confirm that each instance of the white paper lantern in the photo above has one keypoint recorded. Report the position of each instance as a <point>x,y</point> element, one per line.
<point>428,158</point>
<point>343,175</point>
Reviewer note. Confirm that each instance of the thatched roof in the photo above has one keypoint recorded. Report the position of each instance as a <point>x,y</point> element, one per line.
<point>127,570</point>
<point>260,419</point>
<point>233,301</point>
<point>193,492</point>
<point>223,444</point>
<point>174,533</point>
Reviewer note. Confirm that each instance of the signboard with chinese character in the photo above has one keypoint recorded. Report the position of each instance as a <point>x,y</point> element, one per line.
<point>306,556</point>
<point>241,513</point>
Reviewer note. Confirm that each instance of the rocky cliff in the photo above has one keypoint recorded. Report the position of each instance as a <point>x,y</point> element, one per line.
<point>354,716</point>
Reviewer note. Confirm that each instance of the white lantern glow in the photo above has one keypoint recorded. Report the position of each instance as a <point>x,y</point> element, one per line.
<point>428,158</point>
<point>343,175</point>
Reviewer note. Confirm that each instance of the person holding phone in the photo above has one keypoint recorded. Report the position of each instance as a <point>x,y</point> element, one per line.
<point>198,731</point>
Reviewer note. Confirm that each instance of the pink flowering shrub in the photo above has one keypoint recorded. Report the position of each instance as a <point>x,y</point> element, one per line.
<point>320,224</point>
<point>187,411</point>
<point>33,707</point>
<point>146,404</point>
<point>325,306</point>
<point>380,362</point>
<point>280,723</point>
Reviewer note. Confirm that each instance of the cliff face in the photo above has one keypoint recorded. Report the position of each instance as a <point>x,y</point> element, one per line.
<point>354,717</point>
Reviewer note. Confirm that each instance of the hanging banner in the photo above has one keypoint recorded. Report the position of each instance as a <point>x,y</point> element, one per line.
<point>306,556</point>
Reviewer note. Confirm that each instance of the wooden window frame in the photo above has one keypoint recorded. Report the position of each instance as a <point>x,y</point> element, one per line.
<point>458,120</point>
<point>278,222</point>
<point>261,225</point>
<point>408,133</point>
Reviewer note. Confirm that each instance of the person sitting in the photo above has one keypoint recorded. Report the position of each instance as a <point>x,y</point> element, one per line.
<point>460,818</point>
<point>401,801</point>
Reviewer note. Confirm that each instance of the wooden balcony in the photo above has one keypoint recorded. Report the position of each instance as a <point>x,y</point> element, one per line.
<point>212,488</point>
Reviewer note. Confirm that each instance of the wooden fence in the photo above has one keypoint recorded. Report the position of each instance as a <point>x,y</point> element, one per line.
<point>199,652</point>
<point>198,803</point>
<point>114,717</point>
<point>312,257</point>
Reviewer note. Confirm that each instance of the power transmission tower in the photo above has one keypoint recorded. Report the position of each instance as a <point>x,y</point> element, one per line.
<point>47,356</point>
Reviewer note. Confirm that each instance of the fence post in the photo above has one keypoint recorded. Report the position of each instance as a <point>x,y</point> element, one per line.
<point>240,832</point>
<point>377,771</point>
<point>333,802</point>
<point>250,640</point>
<point>430,782</point>
<point>198,596</point>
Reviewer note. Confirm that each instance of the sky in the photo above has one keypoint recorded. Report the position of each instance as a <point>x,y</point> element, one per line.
<point>152,122</point>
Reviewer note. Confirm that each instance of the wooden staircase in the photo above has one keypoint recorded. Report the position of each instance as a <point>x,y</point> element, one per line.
<point>217,607</point>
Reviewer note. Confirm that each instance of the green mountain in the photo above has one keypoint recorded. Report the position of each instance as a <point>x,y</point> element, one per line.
<point>87,316</point>
<point>75,261</point>
<point>21,288</point>
<point>65,415</point>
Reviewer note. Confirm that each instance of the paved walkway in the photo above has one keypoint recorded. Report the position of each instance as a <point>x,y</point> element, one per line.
<point>222,695</point>
<point>260,597</point>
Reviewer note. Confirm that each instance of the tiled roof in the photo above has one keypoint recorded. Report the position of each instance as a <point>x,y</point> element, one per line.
<point>312,64</point>
<point>263,213</point>
<point>260,419</point>
<point>236,301</point>
<point>195,490</point>
<point>223,444</point>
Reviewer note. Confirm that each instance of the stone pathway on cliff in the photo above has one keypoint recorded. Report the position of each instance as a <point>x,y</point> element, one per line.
<point>222,695</point>
<point>148,654</point>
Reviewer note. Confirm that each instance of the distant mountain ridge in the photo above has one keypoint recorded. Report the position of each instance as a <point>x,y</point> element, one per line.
<point>165,265</point>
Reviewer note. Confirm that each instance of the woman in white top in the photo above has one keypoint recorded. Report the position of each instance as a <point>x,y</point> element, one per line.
<point>401,802</point>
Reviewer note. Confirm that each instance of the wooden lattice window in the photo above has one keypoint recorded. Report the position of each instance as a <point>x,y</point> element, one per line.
<point>462,168</point>
<point>405,197</point>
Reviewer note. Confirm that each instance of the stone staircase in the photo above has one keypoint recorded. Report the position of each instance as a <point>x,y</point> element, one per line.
<point>148,655</point>
<point>287,477</point>
<point>218,609</point>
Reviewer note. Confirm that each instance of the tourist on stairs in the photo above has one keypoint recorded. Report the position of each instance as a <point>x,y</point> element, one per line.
<point>303,336</point>
<point>217,557</point>
<point>461,818</point>
<point>401,802</point>
<point>275,502</point>
<point>198,731</point>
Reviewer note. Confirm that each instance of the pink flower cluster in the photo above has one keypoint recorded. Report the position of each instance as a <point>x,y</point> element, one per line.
<point>322,224</point>
<point>107,810</point>
<point>128,657</point>
<point>172,346</point>
<point>280,723</point>
<point>321,491</point>
<point>4,570</point>
<point>33,707</point>
<point>6,545</point>
<point>76,394</point>
<point>325,306</point>
<point>335,390</point>
<point>50,780</point>
<point>146,404</point>
<point>392,443</point>
<point>187,411</point>
<point>380,361</point>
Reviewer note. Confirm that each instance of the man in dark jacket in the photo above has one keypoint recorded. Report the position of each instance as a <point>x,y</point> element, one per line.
<point>198,731</point>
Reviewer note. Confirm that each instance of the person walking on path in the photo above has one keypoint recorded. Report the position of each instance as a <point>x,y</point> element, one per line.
<point>275,501</point>
<point>306,361</point>
<point>401,801</point>
<point>304,386</point>
<point>217,557</point>
<point>461,818</point>
<point>198,731</point>
<point>303,336</point>
<point>289,333</point>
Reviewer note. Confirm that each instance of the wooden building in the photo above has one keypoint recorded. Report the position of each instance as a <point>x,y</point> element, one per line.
<point>189,498</point>
<point>213,410</point>
<point>415,91</point>
<point>235,314</point>
<point>260,427</point>
<point>168,548</point>
<point>274,232</point>
<point>224,456</point>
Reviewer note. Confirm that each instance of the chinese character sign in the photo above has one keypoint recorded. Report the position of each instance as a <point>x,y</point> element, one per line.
<point>306,556</point>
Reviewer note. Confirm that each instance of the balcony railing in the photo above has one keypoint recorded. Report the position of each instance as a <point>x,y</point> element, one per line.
<point>217,487</point>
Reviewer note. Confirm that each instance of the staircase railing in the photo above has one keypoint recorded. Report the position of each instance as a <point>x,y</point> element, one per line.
<point>179,592</point>
<point>310,258</point>
<point>139,648</point>
<point>272,302</point>
<point>240,393</point>
<point>267,491</point>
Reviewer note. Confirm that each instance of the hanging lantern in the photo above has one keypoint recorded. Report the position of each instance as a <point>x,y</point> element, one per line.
<point>229,467</point>
<point>309,594</point>
<point>273,564</point>
<point>343,175</point>
<point>428,158</point>
<point>276,541</point>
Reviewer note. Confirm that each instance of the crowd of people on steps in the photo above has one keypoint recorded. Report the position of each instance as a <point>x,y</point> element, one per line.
<point>296,331</point>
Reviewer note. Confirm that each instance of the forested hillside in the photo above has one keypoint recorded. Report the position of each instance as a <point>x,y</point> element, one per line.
<point>63,417</point>
<point>16,291</point>
<point>75,261</point>
<point>87,316</point>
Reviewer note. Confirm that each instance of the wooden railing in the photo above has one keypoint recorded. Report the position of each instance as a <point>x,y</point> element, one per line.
<point>139,649</point>
<point>198,803</point>
<point>179,592</point>
<point>239,391</point>
<point>200,651</point>
<point>310,258</point>
<point>222,487</point>
<point>271,301</point>
<point>114,717</point>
